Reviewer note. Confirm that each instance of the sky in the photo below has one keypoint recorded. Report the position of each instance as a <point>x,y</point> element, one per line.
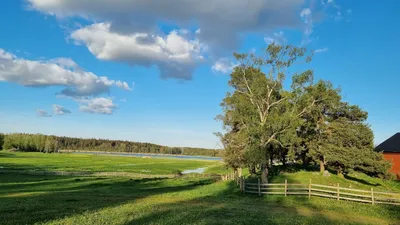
<point>156,71</point>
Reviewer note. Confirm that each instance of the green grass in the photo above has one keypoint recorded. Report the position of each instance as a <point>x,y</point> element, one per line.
<point>97,163</point>
<point>353,180</point>
<point>27,199</point>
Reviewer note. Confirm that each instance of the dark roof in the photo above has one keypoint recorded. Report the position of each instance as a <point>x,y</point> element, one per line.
<point>390,145</point>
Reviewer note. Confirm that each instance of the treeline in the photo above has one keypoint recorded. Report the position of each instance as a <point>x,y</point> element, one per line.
<point>307,123</point>
<point>49,143</point>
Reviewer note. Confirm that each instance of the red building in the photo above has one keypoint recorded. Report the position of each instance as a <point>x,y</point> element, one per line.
<point>391,152</point>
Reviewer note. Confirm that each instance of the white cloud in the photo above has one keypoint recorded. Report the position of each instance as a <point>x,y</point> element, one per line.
<point>42,113</point>
<point>123,100</point>
<point>56,72</point>
<point>221,21</point>
<point>59,110</point>
<point>123,85</point>
<point>321,50</point>
<point>306,16</point>
<point>97,105</point>
<point>335,11</point>
<point>223,65</point>
<point>174,55</point>
<point>277,38</point>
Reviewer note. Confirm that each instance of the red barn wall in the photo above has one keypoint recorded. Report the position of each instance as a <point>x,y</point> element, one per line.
<point>395,159</point>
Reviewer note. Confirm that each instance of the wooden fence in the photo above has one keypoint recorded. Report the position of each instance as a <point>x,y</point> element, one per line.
<point>336,192</point>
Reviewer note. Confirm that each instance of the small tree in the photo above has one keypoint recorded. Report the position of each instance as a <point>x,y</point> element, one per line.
<point>1,141</point>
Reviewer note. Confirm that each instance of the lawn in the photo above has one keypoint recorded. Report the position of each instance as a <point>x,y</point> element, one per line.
<point>27,199</point>
<point>97,163</point>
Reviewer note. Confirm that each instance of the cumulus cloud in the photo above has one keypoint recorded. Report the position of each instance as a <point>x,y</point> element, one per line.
<point>217,24</point>
<point>59,110</point>
<point>42,113</point>
<point>77,84</point>
<point>216,18</point>
<point>223,65</point>
<point>62,72</point>
<point>99,105</point>
<point>174,54</point>
<point>321,50</point>
<point>277,38</point>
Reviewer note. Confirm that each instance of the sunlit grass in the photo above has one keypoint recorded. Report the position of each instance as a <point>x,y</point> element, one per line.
<point>97,163</point>
<point>86,200</point>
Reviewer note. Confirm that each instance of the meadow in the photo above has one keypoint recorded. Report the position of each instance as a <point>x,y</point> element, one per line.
<point>97,163</point>
<point>37,199</point>
<point>87,200</point>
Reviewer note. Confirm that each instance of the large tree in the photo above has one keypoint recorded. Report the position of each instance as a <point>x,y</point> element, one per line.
<point>259,112</point>
<point>264,121</point>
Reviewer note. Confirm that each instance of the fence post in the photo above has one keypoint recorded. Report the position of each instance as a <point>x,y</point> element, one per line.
<point>285,188</point>
<point>259,187</point>
<point>338,191</point>
<point>309,189</point>
<point>372,196</point>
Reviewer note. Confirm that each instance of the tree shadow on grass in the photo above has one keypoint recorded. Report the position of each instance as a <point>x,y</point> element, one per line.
<point>232,207</point>
<point>226,205</point>
<point>352,178</point>
<point>34,204</point>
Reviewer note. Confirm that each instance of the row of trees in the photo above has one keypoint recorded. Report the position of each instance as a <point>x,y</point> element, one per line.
<point>307,122</point>
<point>47,143</point>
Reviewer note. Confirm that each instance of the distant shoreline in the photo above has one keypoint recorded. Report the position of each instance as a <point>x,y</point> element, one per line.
<point>158,155</point>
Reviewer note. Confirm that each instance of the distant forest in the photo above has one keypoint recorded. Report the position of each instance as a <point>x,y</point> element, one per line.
<point>50,143</point>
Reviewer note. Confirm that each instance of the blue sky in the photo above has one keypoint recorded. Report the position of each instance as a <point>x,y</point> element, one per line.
<point>152,71</point>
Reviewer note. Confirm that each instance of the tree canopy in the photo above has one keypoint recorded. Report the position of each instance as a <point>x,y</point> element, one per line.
<point>49,143</point>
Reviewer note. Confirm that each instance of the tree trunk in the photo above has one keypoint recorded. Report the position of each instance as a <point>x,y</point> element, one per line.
<point>252,170</point>
<point>321,165</point>
<point>240,172</point>
<point>264,174</point>
<point>271,158</point>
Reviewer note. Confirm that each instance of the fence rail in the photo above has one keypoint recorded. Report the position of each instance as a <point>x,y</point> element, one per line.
<point>310,189</point>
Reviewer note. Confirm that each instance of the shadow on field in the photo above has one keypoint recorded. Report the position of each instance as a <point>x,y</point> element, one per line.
<point>32,199</point>
<point>230,206</point>
<point>36,199</point>
<point>348,177</point>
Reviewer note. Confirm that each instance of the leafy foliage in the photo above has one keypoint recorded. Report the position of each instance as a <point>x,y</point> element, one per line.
<point>1,140</point>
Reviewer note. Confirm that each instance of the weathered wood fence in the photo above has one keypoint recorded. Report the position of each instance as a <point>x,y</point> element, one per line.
<point>336,192</point>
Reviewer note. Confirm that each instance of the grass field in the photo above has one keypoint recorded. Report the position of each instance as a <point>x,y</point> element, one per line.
<point>34,199</point>
<point>86,200</point>
<point>97,163</point>
<point>352,180</point>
